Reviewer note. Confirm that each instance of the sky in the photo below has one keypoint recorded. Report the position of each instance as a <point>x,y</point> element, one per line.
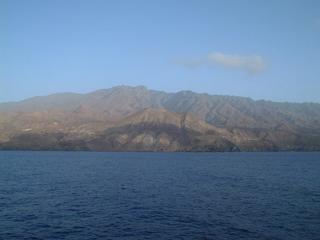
<point>258,49</point>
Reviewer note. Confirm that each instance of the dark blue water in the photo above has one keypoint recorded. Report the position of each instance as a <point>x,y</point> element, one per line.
<point>82,195</point>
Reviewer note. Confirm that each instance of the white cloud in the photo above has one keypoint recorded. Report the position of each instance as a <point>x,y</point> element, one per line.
<point>252,64</point>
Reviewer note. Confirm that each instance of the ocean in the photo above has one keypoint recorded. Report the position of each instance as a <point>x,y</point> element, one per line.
<point>94,195</point>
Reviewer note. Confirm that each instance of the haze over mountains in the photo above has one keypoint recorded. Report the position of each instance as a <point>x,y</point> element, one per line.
<point>138,119</point>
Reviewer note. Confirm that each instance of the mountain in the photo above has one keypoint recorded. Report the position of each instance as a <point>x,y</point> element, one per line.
<point>137,119</point>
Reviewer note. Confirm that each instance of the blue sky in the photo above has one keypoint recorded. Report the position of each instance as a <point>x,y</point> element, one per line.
<point>260,49</point>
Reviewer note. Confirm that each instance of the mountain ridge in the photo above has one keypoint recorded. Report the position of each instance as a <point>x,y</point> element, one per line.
<point>127,118</point>
<point>160,91</point>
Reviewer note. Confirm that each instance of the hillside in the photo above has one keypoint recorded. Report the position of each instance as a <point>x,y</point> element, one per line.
<point>137,119</point>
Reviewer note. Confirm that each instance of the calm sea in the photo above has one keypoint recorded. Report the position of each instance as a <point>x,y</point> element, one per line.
<point>85,195</point>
